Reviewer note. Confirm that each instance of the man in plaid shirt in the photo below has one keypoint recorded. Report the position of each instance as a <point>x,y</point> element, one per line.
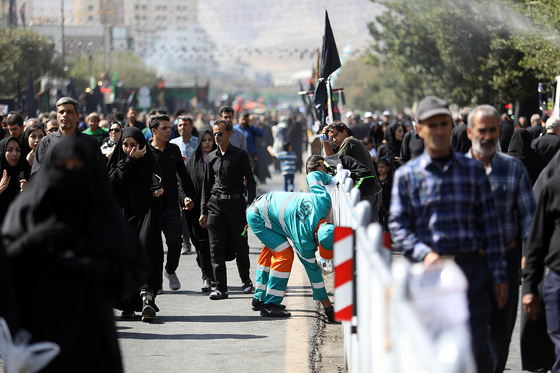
<point>442,206</point>
<point>515,204</point>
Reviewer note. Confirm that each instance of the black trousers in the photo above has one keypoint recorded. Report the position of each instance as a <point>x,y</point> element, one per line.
<point>201,243</point>
<point>226,222</point>
<point>171,227</point>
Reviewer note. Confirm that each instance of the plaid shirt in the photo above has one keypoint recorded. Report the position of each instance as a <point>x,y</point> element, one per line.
<point>449,211</point>
<point>513,195</point>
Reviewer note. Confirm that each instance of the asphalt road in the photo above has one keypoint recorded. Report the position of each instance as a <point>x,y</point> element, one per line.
<point>195,334</point>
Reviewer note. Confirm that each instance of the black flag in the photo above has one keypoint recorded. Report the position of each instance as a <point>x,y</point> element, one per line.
<point>330,62</point>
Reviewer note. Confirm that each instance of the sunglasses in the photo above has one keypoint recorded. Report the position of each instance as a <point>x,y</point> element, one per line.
<point>218,134</point>
<point>117,130</point>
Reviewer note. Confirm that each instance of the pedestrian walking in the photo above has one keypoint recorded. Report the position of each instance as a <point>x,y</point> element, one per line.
<point>134,175</point>
<point>71,257</point>
<point>223,208</point>
<point>442,206</point>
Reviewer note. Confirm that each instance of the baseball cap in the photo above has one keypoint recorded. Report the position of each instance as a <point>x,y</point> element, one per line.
<point>368,114</point>
<point>431,106</point>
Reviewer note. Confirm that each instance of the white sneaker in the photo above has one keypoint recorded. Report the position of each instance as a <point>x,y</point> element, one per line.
<point>174,283</point>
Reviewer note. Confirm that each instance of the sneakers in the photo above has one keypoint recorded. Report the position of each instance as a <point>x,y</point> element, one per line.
<point>206,286</point>
<point>273,310</point>
<point>247,287</point>
<point>174,283</point>
<point>216,295</point>
<point>127,314</point>
<point>186,250</point>
<point>257,304</point>
<point>148,310</point>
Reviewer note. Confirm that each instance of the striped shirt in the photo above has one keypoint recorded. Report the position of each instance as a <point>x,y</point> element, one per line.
<point>513,195</point>
<point>448,210</point>
<point>287,162</point>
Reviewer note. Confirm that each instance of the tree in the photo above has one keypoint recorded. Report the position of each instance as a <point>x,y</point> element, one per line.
<point>470,51</point>
<point>369,86</point>
<point>132,71</point>
<point>22,51</point>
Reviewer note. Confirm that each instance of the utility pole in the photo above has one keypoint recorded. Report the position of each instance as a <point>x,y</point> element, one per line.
<point>63,38</point>
<point>11,14</point>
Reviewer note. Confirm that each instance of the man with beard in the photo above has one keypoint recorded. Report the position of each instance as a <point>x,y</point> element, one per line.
<point>442,206</point>
<point>515,204</point>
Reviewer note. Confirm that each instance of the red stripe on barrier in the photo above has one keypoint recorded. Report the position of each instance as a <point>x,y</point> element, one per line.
<point>387,240</point>
<point>341,233</point>
<point>344,314</point>
<point>342,273</point>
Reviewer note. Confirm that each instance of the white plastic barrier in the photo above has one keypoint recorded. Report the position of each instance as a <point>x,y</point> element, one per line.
<point>386,334</point>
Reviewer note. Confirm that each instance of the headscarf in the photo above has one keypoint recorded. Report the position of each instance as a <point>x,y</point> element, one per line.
<point>20,171</point>
<point>392,143</point>
<point>195,165</point>
<point>520,144</point>
<point>520,148</point>
<point>148,164</point>
<point>62,212</point>
<point>25,148</point>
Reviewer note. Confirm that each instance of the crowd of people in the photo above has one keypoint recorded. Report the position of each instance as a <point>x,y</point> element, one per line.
<point>88,204</point>
<point>473,187</point>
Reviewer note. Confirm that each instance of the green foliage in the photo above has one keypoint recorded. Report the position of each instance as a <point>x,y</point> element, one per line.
<point>369,86</point>
<point>22,51</point>
<point>469,51</point>
<point>132,71</point>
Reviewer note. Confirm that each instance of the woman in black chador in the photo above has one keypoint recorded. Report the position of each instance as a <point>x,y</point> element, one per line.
<point>71,257</point>
<point>196,165</point>
<point>520,148</point>
<point>14,169</point>
<point>134,172</point>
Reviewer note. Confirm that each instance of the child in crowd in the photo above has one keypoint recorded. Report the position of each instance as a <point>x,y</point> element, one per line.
<point>287,158</point>
<point>385,172</point>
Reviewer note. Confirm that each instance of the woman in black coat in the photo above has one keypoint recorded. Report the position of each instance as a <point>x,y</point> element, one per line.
<point>71,257</point>
<point>134,172</point>
<point>196,165</point>
<point>520,148</point>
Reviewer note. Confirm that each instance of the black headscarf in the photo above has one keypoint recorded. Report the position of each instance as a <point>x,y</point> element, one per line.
<point>392,143</point>
<point>142,182</point>
<point>20,171</point>
<point>64,234</point>
<point>195,167</point>
<point>520,148</point>
<point>25,148</point>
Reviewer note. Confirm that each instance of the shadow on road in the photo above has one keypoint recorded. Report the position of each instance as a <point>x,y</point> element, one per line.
<point>154,336</point>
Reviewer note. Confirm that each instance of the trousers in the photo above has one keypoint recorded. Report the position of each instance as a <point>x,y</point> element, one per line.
<point>226,223</point>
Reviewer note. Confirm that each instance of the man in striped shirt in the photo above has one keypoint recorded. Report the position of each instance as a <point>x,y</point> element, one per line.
<point>442,206</point>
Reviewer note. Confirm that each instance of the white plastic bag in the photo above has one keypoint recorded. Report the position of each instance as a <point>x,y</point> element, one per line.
<point>21,357</point>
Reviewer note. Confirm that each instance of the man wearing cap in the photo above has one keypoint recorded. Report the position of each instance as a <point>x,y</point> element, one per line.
<point>301,217</point>
<point>442,207</point>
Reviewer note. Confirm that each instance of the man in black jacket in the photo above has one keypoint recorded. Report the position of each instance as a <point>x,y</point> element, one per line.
<point>170,161</point>
<point>364,180</point>
<point>223,208</point>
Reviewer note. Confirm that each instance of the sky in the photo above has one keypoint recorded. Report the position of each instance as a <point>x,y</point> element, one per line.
<point>281,37</point>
